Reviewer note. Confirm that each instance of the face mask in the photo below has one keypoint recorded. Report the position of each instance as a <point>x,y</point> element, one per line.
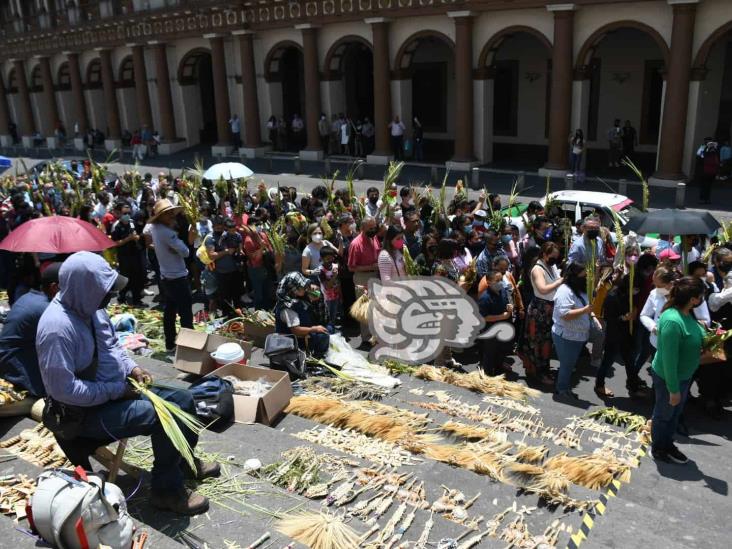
<point>398,244</point>
<point>373,199</point>
<point>317,238</point>
<point>725,267</point>
<point>353,227</point>
<point>125,218</point>
<point>467,229</point>
<point>497,287</point>
<point>318,218</point>
<point>592,233</point>
<point>371,233</point>
<point>662,291</point>
<point>552,261</point>
<point>506,239</point>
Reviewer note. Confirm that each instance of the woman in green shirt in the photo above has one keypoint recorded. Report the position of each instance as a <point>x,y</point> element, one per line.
<point>679,347</point>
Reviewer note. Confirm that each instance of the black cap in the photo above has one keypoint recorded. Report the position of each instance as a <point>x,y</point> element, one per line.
<point>50,273</point>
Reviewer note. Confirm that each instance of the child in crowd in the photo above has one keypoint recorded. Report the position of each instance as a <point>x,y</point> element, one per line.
<point>330,285</point>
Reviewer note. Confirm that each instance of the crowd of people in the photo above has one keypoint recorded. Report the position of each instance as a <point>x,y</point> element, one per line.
<point>570,288</point>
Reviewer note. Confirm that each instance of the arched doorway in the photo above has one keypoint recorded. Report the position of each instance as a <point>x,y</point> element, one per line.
<point>622,66</point>
<point>516,69</point>
<point>713,69</point>
<point>425,69</point>
<point>349,64</point>
<point>292,83</point>
<point>284,73</point>
<point>195,76</point>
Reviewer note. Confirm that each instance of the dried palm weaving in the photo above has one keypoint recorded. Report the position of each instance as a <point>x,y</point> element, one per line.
<point>477,381</point>
<point>38,446</point>
<point>319,531</point>
<point>360,309</point>
<point>591,471</point>
<point>8,394</point>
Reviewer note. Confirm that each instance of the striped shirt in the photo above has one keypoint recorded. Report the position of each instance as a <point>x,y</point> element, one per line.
<point>390,267</point>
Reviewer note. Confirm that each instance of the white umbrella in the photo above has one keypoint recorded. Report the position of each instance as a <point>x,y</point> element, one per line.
<point>227,170</point>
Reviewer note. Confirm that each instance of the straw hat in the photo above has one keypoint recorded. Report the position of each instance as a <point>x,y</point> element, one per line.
<point>163,206</point>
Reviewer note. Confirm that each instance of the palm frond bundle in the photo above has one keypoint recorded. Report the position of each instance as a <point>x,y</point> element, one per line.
<point>170,415</point>
<point>409,265</point>
<point>390,179</point>
<point>613,416</point>
<point>531,454</point>
<point>477,381</point>
<point>471,432</point>
<point>319,530</point>
<point>591,268</point>
<point>360,309</point>
<point>591,471</point>
<point>397,367</point>
<point>275,234</point>
<point>549,200</point>
<point>350,176</point>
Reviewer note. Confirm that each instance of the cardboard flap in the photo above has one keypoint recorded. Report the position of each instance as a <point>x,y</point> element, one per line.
<point>278,397</point>
<point>191,339</point>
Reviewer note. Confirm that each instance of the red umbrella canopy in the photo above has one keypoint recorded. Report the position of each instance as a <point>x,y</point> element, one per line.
<point>56,235</point>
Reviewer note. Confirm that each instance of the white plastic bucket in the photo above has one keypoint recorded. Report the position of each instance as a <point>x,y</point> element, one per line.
<point>227,353</point>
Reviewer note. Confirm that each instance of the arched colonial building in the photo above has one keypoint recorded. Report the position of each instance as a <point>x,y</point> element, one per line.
<point>490,81</point>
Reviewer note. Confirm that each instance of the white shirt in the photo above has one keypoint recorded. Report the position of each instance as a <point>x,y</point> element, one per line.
<point>691,255</point>
<point>397,128</point>
<point>653,308</point>
<point>235,125</point>
<point>297,124</point>
<point>550,274</point>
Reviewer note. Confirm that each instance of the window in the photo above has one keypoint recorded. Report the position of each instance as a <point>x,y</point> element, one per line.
<point>94,74</point>
<point>189,70</point>
<point>36,79</point>
<point>652,98</point>
<point>126,73</point>
<point>64,78</point>
<point>505,98</point>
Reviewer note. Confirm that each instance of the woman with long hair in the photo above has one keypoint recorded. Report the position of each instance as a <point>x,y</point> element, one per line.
<point>679,345</point>
<point>536,345</point>
<point>572,317</point>
<point>426,259</point>
<point>577,147</point>
<point>391,260</point>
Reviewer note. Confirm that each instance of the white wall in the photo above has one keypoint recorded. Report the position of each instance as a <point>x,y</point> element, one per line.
<point>532,57</point>
<point>66,110</point>
<point>488,24</point>
<point>710,15</point>
<point>96,109</point>
<point>128,114</point>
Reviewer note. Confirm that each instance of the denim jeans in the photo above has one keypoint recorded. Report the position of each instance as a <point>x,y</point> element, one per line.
<point>130,418</point>
<point>261,287</point>
<point>666,417</point>
<point>568,352</point>
<point>178,300</point>
<point>334,308</point>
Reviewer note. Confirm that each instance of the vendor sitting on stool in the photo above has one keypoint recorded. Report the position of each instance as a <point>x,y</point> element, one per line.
<point>85,373</point>
<point>294,315</point>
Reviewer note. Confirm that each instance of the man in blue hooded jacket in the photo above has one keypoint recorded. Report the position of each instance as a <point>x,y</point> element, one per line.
<point>85,371</point>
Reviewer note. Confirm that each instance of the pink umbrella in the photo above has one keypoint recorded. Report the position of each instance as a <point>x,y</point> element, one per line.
<point>56,235</point>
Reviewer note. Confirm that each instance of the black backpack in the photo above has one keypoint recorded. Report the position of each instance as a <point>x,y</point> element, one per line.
<point>284,354</point>
<point>214,400</point>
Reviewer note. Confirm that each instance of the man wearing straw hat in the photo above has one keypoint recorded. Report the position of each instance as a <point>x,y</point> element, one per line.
<point>172,252</point>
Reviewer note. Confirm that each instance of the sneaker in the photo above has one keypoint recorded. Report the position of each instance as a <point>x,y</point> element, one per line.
<point>676,456</point>
<point>661,455</point>
<point>148,292</point>
<point>170,350</point>
<point>204,470</point>
<point>182,502</point>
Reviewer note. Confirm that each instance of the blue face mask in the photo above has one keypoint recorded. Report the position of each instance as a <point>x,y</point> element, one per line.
<point>468,229</point>
<point>506,239</point>
<point>125,218</point>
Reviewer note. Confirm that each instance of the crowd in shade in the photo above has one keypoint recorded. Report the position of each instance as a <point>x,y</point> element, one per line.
<point>575,290</point>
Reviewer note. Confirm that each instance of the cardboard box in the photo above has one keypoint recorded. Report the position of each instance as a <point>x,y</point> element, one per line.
<point>194,348</point>
<point>264,409</point>
<point>257,333</point>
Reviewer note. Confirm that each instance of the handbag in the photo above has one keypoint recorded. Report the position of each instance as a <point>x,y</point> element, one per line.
<point>214,399</point>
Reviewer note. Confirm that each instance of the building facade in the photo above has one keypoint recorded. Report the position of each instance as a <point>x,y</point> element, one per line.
<point>489,80</point>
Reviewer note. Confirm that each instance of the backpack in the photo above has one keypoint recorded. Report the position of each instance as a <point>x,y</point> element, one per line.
<point>214,399</point>
<point>284,354</point>
<point>79,510</point>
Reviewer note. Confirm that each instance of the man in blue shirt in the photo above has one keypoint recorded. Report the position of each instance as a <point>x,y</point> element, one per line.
<point>18,358</point>
<point>493,249</point>
<point>85,371</point>
<point>171,253</point>
<point>494,306</point>
<point>580,251</point>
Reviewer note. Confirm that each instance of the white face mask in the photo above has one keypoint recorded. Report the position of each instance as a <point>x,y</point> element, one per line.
<point>662,291</point>
<point>317,238</point>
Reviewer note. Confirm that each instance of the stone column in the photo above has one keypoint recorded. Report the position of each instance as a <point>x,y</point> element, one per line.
<point>221,94</point>
<point>165,99</point>
<point>110,100</point>
<point>313,149</point>
<point>676,100</point>
<point>27,125</point>
<point>382,91</point>
<point>5,139</point>
<point>142,93</point>
<point>464,157</point>
<point>49,96</point>
<point>252,128</point>
<point>77,92</point>
<point>561,91</point>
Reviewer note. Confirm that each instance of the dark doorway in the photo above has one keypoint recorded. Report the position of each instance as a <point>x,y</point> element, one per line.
<point>505,96</point>
<point>358,79</point>
<point>652,99</point>
<point>293,87</point>
<point>208,134</point>
<point>724,120</point>
<point>429,95</point>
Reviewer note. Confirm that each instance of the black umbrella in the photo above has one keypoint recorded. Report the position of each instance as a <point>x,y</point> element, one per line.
<point>673,222</point>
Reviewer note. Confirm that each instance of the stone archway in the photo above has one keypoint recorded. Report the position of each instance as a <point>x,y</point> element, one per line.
<point>424,69</point>
<point>283,70</point>
<point>349,71</point>
<point>619,74</point>
<point>514,82</point>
